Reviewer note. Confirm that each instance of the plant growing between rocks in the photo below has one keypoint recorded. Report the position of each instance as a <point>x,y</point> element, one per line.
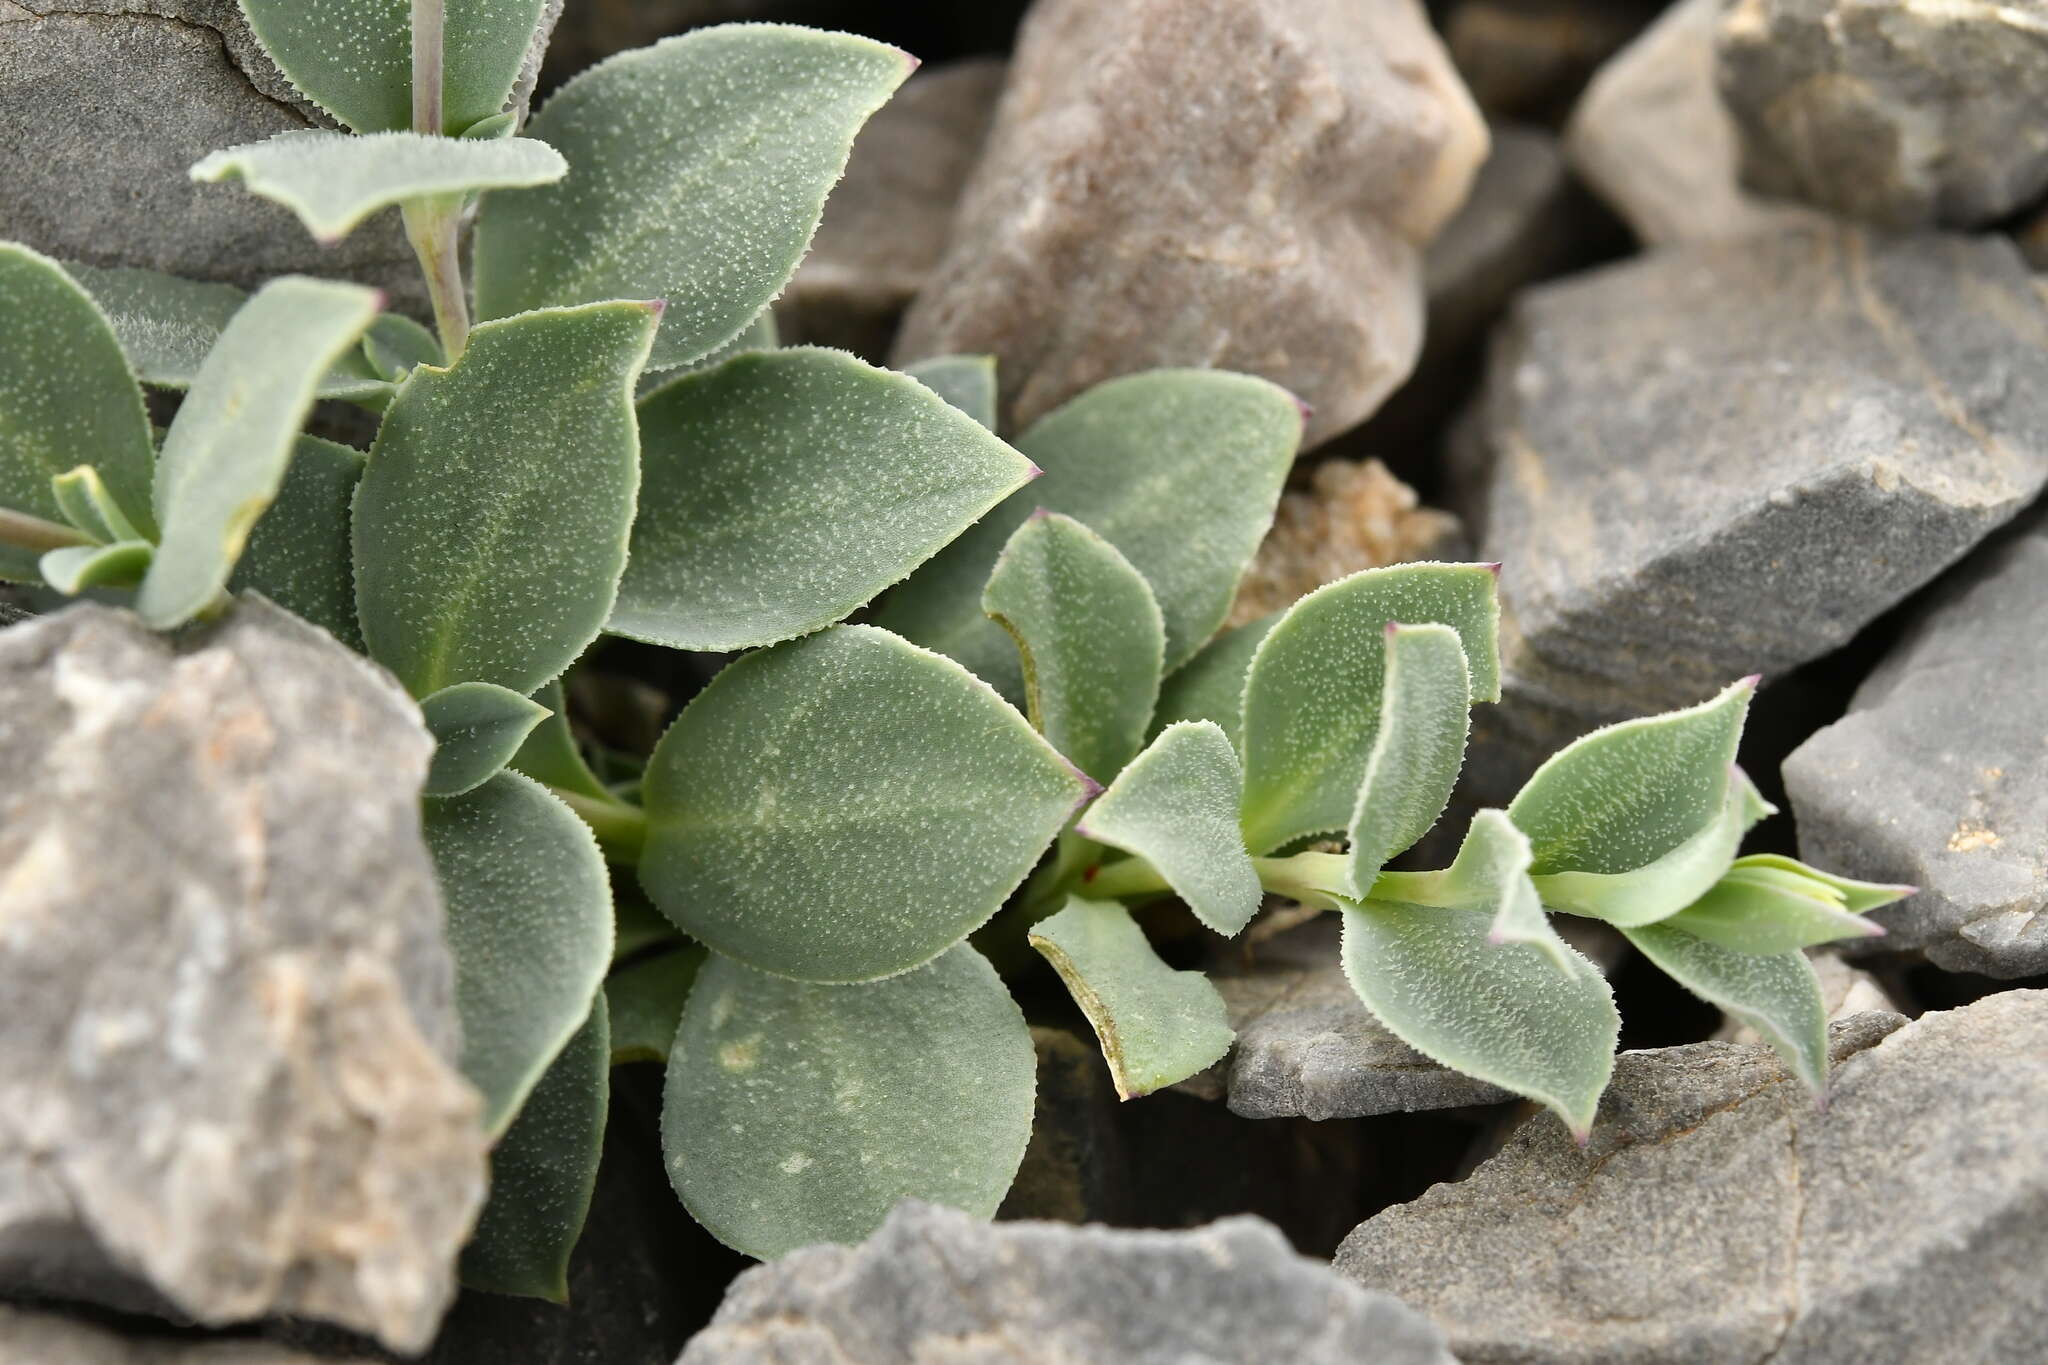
<point>798,905</point>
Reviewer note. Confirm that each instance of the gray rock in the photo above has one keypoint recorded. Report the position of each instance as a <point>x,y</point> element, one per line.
<point>1149,197</point>
<point>1900,115</point>
<point>1938,776</point>
<point>1726,458</point>
<point>109,101</point>
<point>1306,1046</point>
<point>1719,1216</point>
<point>941,1288</point>
<point>886,223</point>
<point>46,1339</point>
<point>1651,137</point>
<point>226,1079</point>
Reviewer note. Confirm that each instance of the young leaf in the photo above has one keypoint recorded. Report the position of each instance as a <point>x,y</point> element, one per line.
<point>639,925</point>
<point>968,382</point>
<point>298,555</point>
<point>530,926</point>
<point>702,165</point>
<point>78,567</point>
<point>551,754</point>
<point>1210,686</point>
<point>783,489</point>
<point>1312,699</point>
<point>89,505</point>
<point>1660,889</point>
<point>799,1113</point>
<point>1156,1026</point>
<point>353,58</point>
<point>396,345</point>
<point>1769,907</point>
<point>1503,1013</point>
<point>333,181</point>
<point>846,806</point>
<point>1090,636</point>
<point>1176,807</point>
<point>227,451</point>
<point>543,1173</point>
<point>1776,994</point>
<point>1425,718</point>
<point>66,398</point>
<point>1856,897</point>
<point>1179,469</point>
<point>168,326</point>
<point>477,727</point>
<point>1626,795</point>
<point>491,526</point>
<point>1490,873</point>
<point>647,1003</point>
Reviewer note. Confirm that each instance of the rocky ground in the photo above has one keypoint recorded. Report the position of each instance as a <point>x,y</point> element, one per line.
<point>1718,324</point>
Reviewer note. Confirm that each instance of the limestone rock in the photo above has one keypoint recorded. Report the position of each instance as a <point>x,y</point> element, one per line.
<point>886,223</point>
<point>1151,195</point>
<point>1652,139</point>
<point>1938,776</point>
<point>938,1287</point>
<point>28,1338</point>
<point>109,101</point>
<point>1718,1215</point>
<point>1900,115</point>
<point>227,1085</point>
<point>1354,515</point>
<point>1726,458</point>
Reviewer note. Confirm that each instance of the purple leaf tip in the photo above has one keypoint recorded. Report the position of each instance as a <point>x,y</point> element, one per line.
<point>1308,412</point>
<point>909,60</point>
<point>657,307</point>
<point>1753,681</point>
<point>1038,514</point>
<point>1492,567</point>
<point>1036,473</point>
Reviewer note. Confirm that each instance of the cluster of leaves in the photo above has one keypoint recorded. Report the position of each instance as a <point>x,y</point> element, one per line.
<point>778,906</point>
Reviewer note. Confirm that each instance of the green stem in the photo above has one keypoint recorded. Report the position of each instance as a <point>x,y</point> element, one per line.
<point>621,829</point>
<point>1315,879</point>
<point>434,224</point>
<point>429,25</point>
<point>25,532</point>
<point>1131,877</point>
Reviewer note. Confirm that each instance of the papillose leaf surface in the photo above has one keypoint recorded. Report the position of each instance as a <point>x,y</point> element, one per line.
<point>1491,873</point>
<point>298,555</point>
<point>491,526</point>
<point>333,181</point>
<point>1425,718</point>
<point>354,57</point>
<point>1626,795</point>
<point>800,1113</point>
<point>647,1003</point>
<point>847,806</point>
<point>1179,469</point>
<point>226,454</point>
<point>168,326</point>
<point>783,489</point>
<point>544,1172</point>
<point>968,382</point>
<point>78,567</point>
<point>701,167</point>
<point>1763,906</point>
<point>1210,686</point>
<point>1776,994</point>
<point>477,727</point>
<point>1089,635</point>
<point>1312,697</point>
<point>1157,1026</point>
<point>530,926</point>
<point>551,754</point>
<point>66,399</point>
<point>1504,1013</point>
<point>89,505</point>
<point>1176,807</point>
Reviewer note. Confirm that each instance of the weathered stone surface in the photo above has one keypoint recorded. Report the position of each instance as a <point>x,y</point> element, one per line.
<point>1717,1215</point>
<point>1530,58</point>
<point>1354,515</point>
<point>1149,197</point>
<point>226,1078</point>
<point>938,1287</point>
<point>1651,137</point>
<point>886,223</point>
<point>28,1338</point>
<point>109,101</point>
<point>1306,1046</point>
<point>1901,115</point>
<point>1938,776</point>
<point>1726,458</point>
